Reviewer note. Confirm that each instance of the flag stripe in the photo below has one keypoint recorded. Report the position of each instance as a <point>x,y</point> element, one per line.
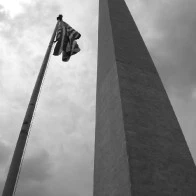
<point>66,43</point>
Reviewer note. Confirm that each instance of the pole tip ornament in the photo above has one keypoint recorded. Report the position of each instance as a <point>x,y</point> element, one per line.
<point>59,18</point>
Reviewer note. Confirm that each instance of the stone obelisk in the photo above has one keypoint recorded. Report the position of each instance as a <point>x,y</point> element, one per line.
<point>140,149</point>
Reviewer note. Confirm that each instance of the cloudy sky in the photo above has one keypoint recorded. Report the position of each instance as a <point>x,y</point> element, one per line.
<point>59,155</point>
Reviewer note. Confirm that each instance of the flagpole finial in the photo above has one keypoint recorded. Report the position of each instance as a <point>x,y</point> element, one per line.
<point>59,17</point>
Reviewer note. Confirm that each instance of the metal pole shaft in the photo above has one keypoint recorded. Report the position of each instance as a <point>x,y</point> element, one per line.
<point>12,176</point>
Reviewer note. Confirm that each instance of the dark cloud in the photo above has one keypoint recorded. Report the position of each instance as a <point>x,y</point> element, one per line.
<point>36,168</point>
<point>32,190</point>
<point>75,169</point>
<point>5,152</point>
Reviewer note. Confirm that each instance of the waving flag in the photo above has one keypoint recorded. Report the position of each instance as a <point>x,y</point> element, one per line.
<point>66,41</point>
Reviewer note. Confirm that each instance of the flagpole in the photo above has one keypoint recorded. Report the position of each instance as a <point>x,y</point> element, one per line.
<point>14,169</point>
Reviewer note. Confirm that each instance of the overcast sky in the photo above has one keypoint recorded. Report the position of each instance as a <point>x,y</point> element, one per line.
<point>59,155</point>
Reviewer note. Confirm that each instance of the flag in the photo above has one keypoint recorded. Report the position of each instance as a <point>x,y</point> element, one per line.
<point>66,41</point>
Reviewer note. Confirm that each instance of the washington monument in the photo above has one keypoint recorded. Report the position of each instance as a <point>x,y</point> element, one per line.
<point>140,149</point>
